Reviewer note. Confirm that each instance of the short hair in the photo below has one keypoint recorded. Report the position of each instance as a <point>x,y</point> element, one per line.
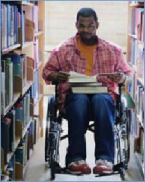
<point>87,12</point>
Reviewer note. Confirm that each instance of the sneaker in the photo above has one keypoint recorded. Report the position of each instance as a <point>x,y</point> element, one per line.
<point>79,167</point>
<point>103,167</point>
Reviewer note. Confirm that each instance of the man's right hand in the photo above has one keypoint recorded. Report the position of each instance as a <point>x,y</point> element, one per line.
<point>58,77</point>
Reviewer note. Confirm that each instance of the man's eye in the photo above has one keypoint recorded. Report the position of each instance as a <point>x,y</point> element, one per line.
<point>81,26</point>
<point>90,26</point>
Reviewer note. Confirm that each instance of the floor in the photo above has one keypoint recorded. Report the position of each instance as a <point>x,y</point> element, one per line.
<point>37,169</point>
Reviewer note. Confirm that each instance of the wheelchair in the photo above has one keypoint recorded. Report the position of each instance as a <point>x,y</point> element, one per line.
<point>54,134</point>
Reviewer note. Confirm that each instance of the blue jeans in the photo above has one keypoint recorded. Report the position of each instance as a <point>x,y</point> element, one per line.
<point>80,109</point>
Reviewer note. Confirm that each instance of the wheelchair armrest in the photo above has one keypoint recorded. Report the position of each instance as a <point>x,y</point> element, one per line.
<point>54,83</point>
<point>120,86</point>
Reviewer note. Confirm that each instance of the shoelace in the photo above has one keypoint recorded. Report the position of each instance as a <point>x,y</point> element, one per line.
<point>76,163</point>
<point>105,162</point>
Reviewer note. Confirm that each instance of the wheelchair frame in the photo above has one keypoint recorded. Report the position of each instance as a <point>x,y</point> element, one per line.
<point>53,136</point>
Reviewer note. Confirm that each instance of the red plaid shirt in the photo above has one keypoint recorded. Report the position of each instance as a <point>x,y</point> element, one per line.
<point>107,58</point>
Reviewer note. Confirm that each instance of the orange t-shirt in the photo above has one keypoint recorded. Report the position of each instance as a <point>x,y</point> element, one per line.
<point>87,52</point>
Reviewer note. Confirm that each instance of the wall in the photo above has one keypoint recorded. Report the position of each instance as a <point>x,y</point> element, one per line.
<point>61,16</point>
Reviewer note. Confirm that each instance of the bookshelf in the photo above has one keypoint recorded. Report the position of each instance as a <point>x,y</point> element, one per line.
<point>22,48</point>
<point>135,87</point>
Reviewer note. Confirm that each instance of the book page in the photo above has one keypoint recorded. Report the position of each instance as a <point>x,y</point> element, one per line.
<point>78,77</point>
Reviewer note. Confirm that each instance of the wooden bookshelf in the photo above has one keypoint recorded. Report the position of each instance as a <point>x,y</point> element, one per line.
<point>38,34</point>
<point>141,81</point>
<point>133,36</point>
<point>24,3</point>
<point>31,44</point>
<point>136,6</point>
<point>26,44</point>
<point>6,110</point>
<point>135,58</point>
<point>17,141</point>
<point>26,88</point>
<point>11,48</point>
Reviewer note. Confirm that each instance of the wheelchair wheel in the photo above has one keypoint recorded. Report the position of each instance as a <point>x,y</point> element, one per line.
<point>52,165</point>
<point>122,174</point>
<point>126,139</point>
<point>122,144</point>
<point>46,145</point>
<point>50,117</point>
<point>55,131</point>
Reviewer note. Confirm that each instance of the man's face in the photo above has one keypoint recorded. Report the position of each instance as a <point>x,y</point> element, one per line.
<point>87,27</point>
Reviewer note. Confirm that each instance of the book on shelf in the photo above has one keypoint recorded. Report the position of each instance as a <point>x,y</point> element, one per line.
<point>137,23</point>
<point>19,70</point>
<point>136,2</point>
<point>9,25</point>
<point>31,135</point>
<point>13,25</point>
<point>11,168</point>
<point>11,115</point>
<point>36,129</point>
<point>22,109</point>
<point>21,25</point>
<point>34,91</point>
<point>36,52</point>
<point>5,137</point>
<point>35,12</point>
<point>2,92</point>
<point>19,153</point>
<point>9,82</point>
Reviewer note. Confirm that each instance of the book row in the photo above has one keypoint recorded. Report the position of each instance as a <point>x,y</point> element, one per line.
<point>12,25</point>
<point>13,124</point>
<point>140,103</point>
<point>16,164</point>
<point>15,26</point>
<point>136,57</point>
<point>16,71</point>
<point>137,23</point>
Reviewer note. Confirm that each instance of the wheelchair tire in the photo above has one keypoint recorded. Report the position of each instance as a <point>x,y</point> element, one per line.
<point>47,146</point>
<point>52,167</point>
<point>122,174</point>
<point>123,154</point>
<point>127,141</point>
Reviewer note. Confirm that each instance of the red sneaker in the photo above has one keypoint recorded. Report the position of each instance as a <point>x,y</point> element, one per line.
<point>103,167</point>
<point>79,167</point>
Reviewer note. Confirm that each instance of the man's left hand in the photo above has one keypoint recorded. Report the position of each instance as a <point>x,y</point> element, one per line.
<point>118,77</point>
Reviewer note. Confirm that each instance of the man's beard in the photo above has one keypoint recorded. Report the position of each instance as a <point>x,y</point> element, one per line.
<point>89,39</point>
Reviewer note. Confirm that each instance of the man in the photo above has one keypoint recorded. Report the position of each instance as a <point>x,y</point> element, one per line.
<point>88,54</point>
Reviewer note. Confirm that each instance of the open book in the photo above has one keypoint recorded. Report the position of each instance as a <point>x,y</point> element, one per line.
<point>80,78</point>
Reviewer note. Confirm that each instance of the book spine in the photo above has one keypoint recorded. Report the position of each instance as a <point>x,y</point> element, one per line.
<point>2,92</point>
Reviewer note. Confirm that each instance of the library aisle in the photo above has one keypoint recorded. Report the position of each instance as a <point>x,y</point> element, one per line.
<point>23,97</point>
<point>38,170</point>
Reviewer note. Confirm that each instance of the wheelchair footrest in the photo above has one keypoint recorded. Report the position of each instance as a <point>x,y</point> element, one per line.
<point>118,166</point>
<point>60,170</point>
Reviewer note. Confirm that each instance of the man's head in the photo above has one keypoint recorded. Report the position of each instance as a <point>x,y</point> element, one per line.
<point>87,23</point>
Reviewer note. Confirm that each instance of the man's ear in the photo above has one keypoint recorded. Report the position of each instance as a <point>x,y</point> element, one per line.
<point>97,25</point>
